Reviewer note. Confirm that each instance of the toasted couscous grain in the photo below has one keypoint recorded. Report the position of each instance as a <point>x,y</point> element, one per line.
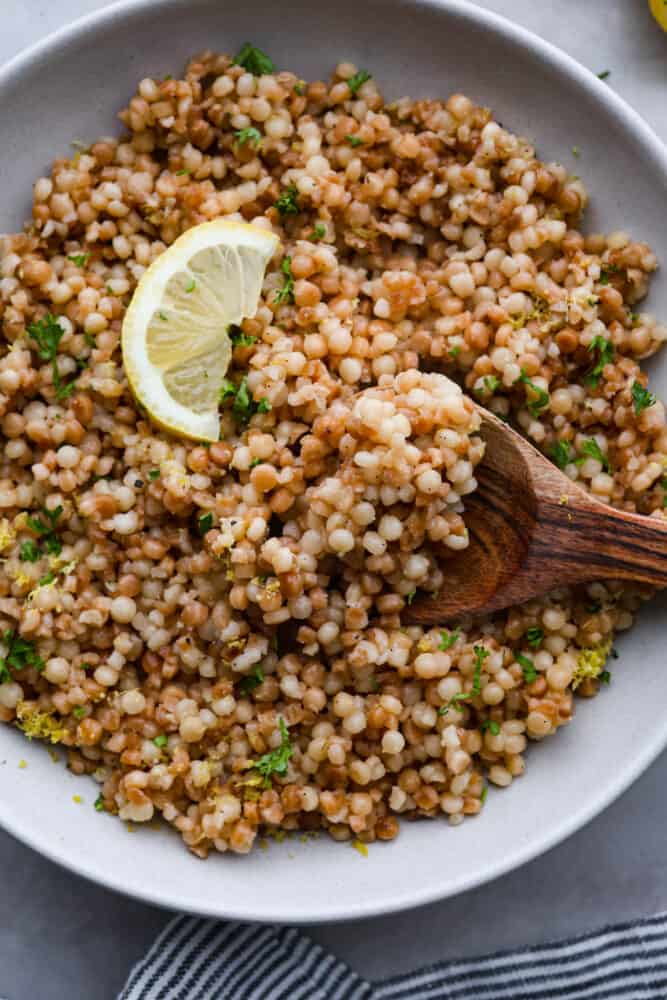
<point>249,673</point>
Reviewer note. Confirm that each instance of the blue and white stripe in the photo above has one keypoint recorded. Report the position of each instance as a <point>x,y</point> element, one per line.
<point>204,960</point>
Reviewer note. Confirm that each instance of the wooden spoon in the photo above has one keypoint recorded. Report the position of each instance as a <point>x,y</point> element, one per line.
<point>533,530</point>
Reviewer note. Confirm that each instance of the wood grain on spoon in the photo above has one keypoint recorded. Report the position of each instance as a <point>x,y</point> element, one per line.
<point>532,530</point>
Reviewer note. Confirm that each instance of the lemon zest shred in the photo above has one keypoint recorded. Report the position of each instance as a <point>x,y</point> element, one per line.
<point>591,662</point>
<point>39,725</point>
<point>360,847</point>
<point>7,534</point>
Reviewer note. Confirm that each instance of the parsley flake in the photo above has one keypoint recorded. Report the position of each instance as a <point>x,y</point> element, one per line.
<point>561,453</point>
<point>47,334</point>
<point>154,474</point>
<point>251,135</point>
<point>528,667</point>
<point>354,140</point>
<point>275,761</point>
<point>448,639</point>
<point>80,259</point>
<point>318,233</point>
<point>244,406</point>
<point>591,449</point>
<point>99,804</point>
<point>204,523</point>
<point>285,294</point>
<point>535,636</point>
<point>411,595</point>
<point>641,397</point>
<point>604,74</point>
<point>251,681</point>
<point>46,530</point>
<point>605,355</point>
<point>541,397</point>
<point>239,338</point>
<point>492,727</point>
<point>191,285</point>
<point>30,551</point>
<point>160,741</point>
<point>254,60</point>
<point>480,655</point>
<point>287,203</point>
<point>20,653</point>
<point>356,81</point>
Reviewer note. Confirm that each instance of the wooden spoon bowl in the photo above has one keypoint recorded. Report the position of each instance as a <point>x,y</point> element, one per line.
<point>532,530</point>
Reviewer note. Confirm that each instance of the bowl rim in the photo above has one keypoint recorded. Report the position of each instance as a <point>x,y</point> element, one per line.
<point>649,144</point>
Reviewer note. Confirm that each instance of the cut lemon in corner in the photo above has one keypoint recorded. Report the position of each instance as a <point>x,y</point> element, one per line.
<point>176,348</point>
<point>659,11</point>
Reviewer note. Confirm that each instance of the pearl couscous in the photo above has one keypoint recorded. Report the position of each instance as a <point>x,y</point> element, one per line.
<point>214,632</point>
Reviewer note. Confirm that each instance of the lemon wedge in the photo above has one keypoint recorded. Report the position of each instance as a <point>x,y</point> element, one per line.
<point>659,11</point>
<point>176,349</point>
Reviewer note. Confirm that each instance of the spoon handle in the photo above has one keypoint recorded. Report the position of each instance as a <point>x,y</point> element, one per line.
<point>583,540</point>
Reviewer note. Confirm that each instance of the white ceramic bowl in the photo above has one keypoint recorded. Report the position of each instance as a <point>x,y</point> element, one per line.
<point>70,87</point>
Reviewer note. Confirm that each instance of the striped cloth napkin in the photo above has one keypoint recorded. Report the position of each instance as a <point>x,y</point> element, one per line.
<point>205,960</point>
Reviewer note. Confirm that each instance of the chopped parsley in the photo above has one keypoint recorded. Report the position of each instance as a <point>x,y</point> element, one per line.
<point>80,259</point>
<point>251,680</point>
<point>354,140</point>
<point>485,792</point>
<point>160,741</point>
<point>275,761</point>
<point>154,474</point>
<point>489,385</point>
<point>480,655</point>
<point>78,712</point>
<point>541,397</point>
<point>454,702</point>
<point>191,285</point>
<point>641,397</point>
<point>528,667</point>
<point>492,727</point>
<point>605,355</point>
<point>244,406</point>
<point>454,351</point>
<point>47,334</point>
<point>90,340</point>
<point>46,530</point>
<point>20,653</point>
<point>204,523</point>
<point>239,338</point>
<point>561,453</point>
<point>356,81</point>
<point>99,804</point>
<point>287,203</point>
<point>605,677</point>
<point>47,579</point>
<point>300,89</point>
<point>183,172</point>
<point>255,462</point>
<point>591,449</point>
<point>604,74</point>
<point>254,60</point>
<point>411,595</point>
<point>251,135</point>
<point>318,233</point>
<point>30,551</point>
<point>448,639</point>
<point>535,636</point>
<point>285,294</point>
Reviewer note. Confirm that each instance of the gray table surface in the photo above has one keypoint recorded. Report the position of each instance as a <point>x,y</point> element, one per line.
<point>62,937</point>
